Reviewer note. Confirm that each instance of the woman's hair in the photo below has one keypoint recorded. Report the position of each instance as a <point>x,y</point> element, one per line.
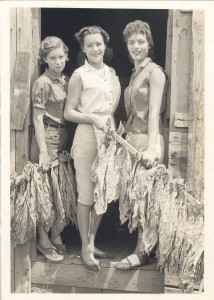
<point>139,26</point>
<point>91,30</point>
<point>51,43</point>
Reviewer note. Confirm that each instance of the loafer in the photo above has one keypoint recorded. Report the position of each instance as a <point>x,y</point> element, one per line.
<point>103,255</point>
<point>90,266</point>
<point>60,248</point>
<point>50,253</point>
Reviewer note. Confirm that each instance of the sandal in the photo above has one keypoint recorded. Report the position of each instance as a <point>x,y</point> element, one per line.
<point>131,262</point>
<point>50,253</point>
<point>60,248</point>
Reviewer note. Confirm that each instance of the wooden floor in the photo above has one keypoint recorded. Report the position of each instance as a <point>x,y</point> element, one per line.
<point>70,276</point>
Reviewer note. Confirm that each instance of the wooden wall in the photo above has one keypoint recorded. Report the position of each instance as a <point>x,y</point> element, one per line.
<point>185,111</point>
<point>24,43</point>
<point>178,104</point>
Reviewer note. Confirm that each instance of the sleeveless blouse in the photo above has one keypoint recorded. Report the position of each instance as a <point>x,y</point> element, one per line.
<point>101,91</point>
<point>136,97</point>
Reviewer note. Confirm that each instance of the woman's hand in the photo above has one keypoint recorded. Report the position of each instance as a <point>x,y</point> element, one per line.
<point>99,122</point>
<point>44,161</point>
<point>149,159</point>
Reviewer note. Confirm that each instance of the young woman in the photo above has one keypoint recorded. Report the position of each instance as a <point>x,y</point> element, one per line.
<point>49,96</point>
<point>93,95</point>
<point>144,105</point>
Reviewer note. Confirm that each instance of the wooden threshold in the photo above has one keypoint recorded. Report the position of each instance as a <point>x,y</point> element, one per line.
<point>74,277</point>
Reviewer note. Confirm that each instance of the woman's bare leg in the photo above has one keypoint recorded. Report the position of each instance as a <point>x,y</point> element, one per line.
<point>83,219</point>
<point>94,225</point>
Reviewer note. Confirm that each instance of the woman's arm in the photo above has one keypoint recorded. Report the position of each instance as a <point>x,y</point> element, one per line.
<point>73,98</point>
<point>44,159</point>
<point>157,83</point>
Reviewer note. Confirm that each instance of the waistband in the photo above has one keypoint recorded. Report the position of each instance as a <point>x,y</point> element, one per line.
<point>55,125</point>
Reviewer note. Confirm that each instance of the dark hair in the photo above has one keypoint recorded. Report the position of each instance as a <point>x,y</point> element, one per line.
<point>91,30</point>
<point>51,43</point>
<point>139,27</point>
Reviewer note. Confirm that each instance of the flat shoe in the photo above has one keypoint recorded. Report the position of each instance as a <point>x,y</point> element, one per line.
<point>103,255</point>
<point>91,267</point>
<point>60,248</point>
<point>50,253</point>
<point>131,262</point>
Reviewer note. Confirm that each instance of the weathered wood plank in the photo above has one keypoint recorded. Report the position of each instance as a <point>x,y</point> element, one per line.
<point>168,99</point>
<point>169,60</point>
<point>77,275</point>
<point>12,132</point>
<point>178,153</point>
<point>24,45</point>
<point>180,90</point>
<point>12,72</point>
<point>21,94</point>
<point>180,69</point>
<point>195,162</point>
<point>23,268</point>
<point>181,119</point>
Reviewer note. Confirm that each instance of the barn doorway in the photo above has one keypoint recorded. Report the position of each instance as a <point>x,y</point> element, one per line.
<point>64,23</point>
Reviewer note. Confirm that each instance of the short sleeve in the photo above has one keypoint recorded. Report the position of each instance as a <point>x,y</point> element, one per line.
<point>39,94</point>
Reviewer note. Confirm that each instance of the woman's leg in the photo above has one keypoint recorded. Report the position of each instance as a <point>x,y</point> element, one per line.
<point>83,219</point>
<point>94,225</point>
<point>139,249</point>
<point>43,236</point>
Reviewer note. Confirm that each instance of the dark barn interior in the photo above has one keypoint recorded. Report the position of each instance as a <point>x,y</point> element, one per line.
<point>64,23</point>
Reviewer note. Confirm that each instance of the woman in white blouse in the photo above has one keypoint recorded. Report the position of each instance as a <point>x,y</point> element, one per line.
<point>93,95</point>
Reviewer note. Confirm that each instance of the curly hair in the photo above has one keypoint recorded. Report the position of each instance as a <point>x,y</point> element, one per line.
<point>139,26</point>
<point>91,30</point>
<point>51,43</point>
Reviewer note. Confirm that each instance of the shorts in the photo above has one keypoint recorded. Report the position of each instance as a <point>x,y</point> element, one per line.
<point>56,141</point>
<point>84,152</point>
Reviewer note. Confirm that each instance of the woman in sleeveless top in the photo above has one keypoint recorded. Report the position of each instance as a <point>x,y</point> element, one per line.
<point>93,95</point>
<point>144,105</point>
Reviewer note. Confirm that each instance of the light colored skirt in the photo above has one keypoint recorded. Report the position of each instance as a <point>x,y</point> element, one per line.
<point>84,152</point>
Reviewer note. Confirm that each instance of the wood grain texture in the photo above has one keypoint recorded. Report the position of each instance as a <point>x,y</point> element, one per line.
<point>178,154</point>
<point>22,264</point>
<point>195,162</point>
<point>180,69</point>
<point>181,120</point>
<point>108,278</point>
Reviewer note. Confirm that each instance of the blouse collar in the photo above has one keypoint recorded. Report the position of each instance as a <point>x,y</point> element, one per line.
<point>54,76</point>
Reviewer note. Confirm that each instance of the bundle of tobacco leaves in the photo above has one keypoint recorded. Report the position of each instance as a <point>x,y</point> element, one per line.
<point>163,206</point>
<point>45,197</point>
<point>64,194</point>
<point>106,171</point>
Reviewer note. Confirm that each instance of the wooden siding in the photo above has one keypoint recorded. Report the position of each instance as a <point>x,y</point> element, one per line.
<point>195,162</point>
<point>23,68</point>
<point>179,91</point>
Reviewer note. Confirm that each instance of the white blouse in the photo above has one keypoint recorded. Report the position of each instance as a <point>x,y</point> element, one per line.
<point>101,90</point>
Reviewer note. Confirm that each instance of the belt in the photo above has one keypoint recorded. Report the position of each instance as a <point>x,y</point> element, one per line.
<point>55,125</point>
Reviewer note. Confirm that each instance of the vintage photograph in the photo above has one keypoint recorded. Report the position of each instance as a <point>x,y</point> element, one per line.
<point>106,149</point>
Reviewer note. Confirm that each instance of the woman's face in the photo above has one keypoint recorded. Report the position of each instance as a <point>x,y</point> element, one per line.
<point>56,60</point>
<point>94,48</point>
<point>138,46</point>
